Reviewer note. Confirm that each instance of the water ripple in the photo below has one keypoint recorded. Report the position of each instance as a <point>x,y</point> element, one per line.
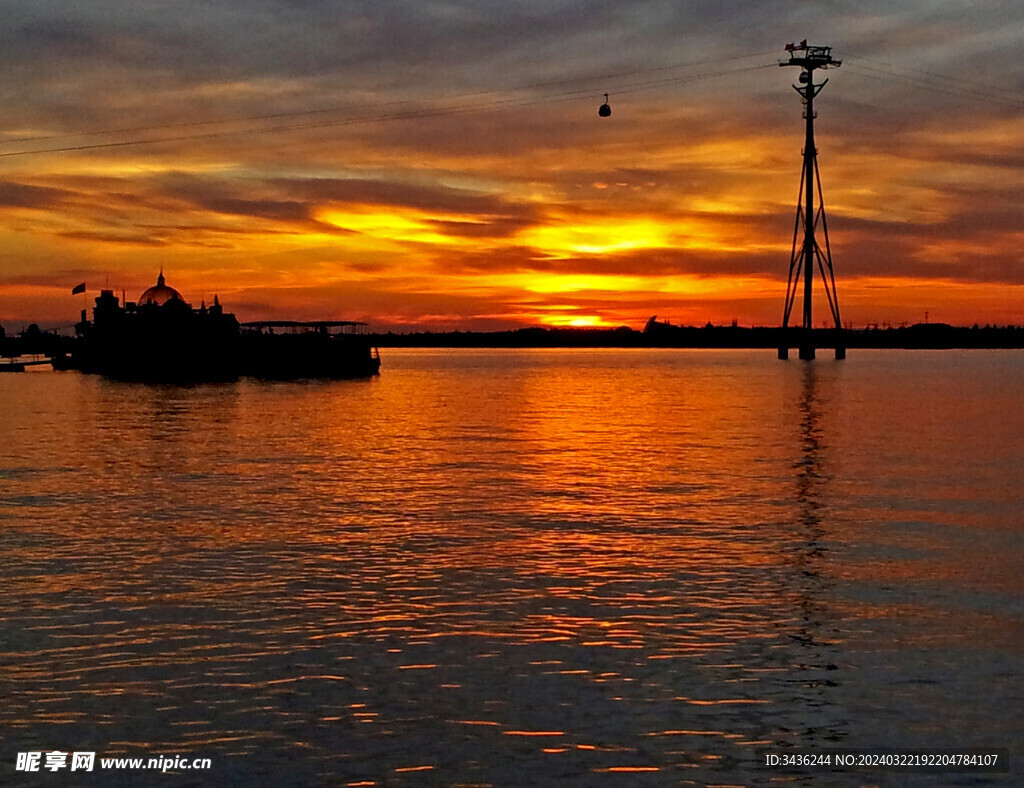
<point>369,583</point>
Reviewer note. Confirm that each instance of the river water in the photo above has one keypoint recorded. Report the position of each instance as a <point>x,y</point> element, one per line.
<point>516,568</point>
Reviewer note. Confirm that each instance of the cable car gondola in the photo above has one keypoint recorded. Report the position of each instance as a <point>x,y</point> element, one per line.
<point>605,109</point>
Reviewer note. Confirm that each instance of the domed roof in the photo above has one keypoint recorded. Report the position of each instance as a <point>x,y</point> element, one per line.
<point>160,293</point>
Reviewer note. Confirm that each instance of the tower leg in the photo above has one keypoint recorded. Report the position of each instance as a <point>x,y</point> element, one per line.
<point>807,352</point>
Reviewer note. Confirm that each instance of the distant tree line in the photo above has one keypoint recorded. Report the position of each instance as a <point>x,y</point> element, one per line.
<point>921,335</point>
<point>33,341</point>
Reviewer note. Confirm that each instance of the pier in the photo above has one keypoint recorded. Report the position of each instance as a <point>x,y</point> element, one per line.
<point>19,364</point>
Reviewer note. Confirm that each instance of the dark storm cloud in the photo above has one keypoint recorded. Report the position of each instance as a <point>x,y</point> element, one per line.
<point>128,238</point>
<point>647,262</point>
<point>861,248</point>
<point>432,197</point>
<point>493,228</point>
<point>223,195</point>
<point>399,43</point>
<point>60,38</point>
<point>20,195</point>
<point>62,278</point>
<point>137,58</point>
<point>378,43</point>
<point>295,200</point>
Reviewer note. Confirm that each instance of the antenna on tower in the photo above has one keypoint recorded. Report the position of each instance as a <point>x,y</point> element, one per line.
<point>808,252</point>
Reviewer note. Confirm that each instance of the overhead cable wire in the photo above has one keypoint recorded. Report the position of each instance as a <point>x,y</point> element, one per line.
<point>414,113</point>
<point>378,118</point>
<point>410,109</point>
<point>929,80</point>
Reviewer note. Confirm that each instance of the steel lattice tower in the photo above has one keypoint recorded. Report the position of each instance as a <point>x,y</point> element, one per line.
<point>808,252</point>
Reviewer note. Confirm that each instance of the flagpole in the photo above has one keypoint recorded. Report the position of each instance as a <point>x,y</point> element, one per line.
<point>81,288</point>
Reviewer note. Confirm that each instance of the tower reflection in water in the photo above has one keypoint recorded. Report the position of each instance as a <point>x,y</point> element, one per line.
<point>811,475</point>
<point>817,630</point>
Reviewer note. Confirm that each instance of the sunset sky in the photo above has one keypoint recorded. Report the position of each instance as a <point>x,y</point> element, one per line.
<point>441,165</point>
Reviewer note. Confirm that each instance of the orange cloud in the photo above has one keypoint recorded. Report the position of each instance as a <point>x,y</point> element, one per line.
<point>427,204</point>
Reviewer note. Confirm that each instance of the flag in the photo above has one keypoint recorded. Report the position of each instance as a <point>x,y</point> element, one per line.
<point>80,288</point>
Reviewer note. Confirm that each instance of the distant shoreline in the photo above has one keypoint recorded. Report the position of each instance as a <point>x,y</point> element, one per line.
<point>922,336</point>
<point>933,336</point>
